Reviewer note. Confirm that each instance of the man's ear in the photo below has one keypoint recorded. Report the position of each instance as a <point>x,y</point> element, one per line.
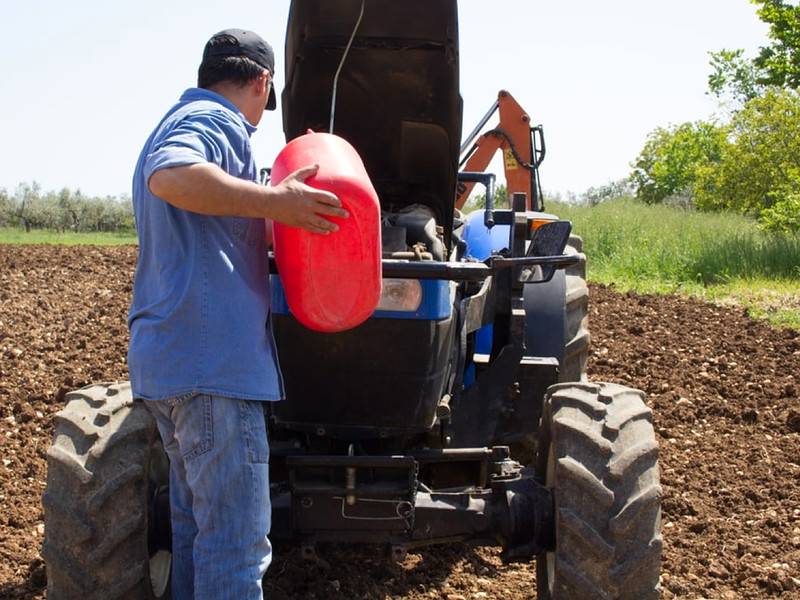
<point>261,82</point>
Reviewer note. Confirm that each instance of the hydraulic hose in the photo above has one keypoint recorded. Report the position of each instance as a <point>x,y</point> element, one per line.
<point>341,64</point>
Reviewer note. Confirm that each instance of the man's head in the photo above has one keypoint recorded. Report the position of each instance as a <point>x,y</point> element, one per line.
<point>240,58</point>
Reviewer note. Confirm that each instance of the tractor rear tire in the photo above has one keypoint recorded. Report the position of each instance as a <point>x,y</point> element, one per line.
<point>104,464</point>
<point>576,351</point>
<point>598,454</point>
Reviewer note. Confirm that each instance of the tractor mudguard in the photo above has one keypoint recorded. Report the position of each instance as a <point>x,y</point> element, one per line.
<point>546,318</point>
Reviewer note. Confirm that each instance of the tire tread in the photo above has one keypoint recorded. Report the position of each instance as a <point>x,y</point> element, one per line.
<point>95,499</point>
<point>606,490</point>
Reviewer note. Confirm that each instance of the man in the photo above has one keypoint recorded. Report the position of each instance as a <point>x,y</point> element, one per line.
<point>201,353</point>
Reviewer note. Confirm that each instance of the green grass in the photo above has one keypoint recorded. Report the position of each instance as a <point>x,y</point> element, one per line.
<point>776,301</point>
<point>720,257</point>
<point>19,236</point>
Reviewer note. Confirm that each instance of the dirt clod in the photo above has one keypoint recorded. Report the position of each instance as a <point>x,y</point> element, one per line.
<point>722,387</point>
<point>793,421</point>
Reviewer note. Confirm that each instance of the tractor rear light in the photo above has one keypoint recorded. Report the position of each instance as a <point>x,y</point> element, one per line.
<point>403,295</point>
<point>536,223</point>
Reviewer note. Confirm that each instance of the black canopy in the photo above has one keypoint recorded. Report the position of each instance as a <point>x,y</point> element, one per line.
<point>398,96</point>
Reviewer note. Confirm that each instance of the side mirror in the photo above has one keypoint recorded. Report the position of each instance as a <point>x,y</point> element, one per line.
<point>549,239</point>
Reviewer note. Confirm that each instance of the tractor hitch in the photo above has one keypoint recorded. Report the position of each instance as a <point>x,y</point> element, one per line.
<point>372,499</point>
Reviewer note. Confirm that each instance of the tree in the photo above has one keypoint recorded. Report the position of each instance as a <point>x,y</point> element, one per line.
<point>734,79</point>
<point>7,209</point>
<point>64,210</point>
<point>779,62</point>
<point>758,171</point>
<point>68,204</point>
<point>613,189</point>
<point>27,195</point>
<point>667,166</point>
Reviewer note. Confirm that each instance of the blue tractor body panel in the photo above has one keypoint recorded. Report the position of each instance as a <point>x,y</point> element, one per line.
<point>436,304</point>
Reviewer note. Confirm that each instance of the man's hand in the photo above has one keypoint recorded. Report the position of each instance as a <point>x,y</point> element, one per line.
<point>206,189</point>
<point>298,204</point>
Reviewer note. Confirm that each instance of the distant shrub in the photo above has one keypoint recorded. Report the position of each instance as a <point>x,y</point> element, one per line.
<point>783,215</point>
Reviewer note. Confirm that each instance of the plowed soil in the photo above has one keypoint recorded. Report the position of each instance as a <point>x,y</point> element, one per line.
<point>723,387</point>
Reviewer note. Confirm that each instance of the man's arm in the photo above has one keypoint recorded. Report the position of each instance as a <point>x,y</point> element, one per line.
<point>206,189</point>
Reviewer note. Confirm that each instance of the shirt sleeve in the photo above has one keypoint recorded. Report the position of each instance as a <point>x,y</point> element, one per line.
<point>198,138</point>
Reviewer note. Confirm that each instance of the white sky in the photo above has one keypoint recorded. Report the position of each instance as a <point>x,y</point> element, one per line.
<point>85,81</point>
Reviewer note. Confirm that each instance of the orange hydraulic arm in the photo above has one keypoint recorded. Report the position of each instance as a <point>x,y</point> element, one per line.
<point>522,152</point>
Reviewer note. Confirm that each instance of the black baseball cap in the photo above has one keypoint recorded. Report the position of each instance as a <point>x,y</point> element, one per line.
<point>240,42</point>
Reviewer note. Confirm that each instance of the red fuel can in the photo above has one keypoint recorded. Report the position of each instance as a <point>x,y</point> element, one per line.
<point>332,282</point>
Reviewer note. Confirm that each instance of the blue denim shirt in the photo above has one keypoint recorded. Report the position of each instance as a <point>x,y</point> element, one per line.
<point>199,318</point>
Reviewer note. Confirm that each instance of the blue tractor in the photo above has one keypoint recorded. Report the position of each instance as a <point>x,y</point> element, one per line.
<point>459,411</point>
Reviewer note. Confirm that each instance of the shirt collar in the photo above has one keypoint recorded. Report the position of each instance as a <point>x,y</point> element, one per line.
<point>194,94</point>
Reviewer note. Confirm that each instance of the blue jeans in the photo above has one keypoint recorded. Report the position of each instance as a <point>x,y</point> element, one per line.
<point>219,495</point>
